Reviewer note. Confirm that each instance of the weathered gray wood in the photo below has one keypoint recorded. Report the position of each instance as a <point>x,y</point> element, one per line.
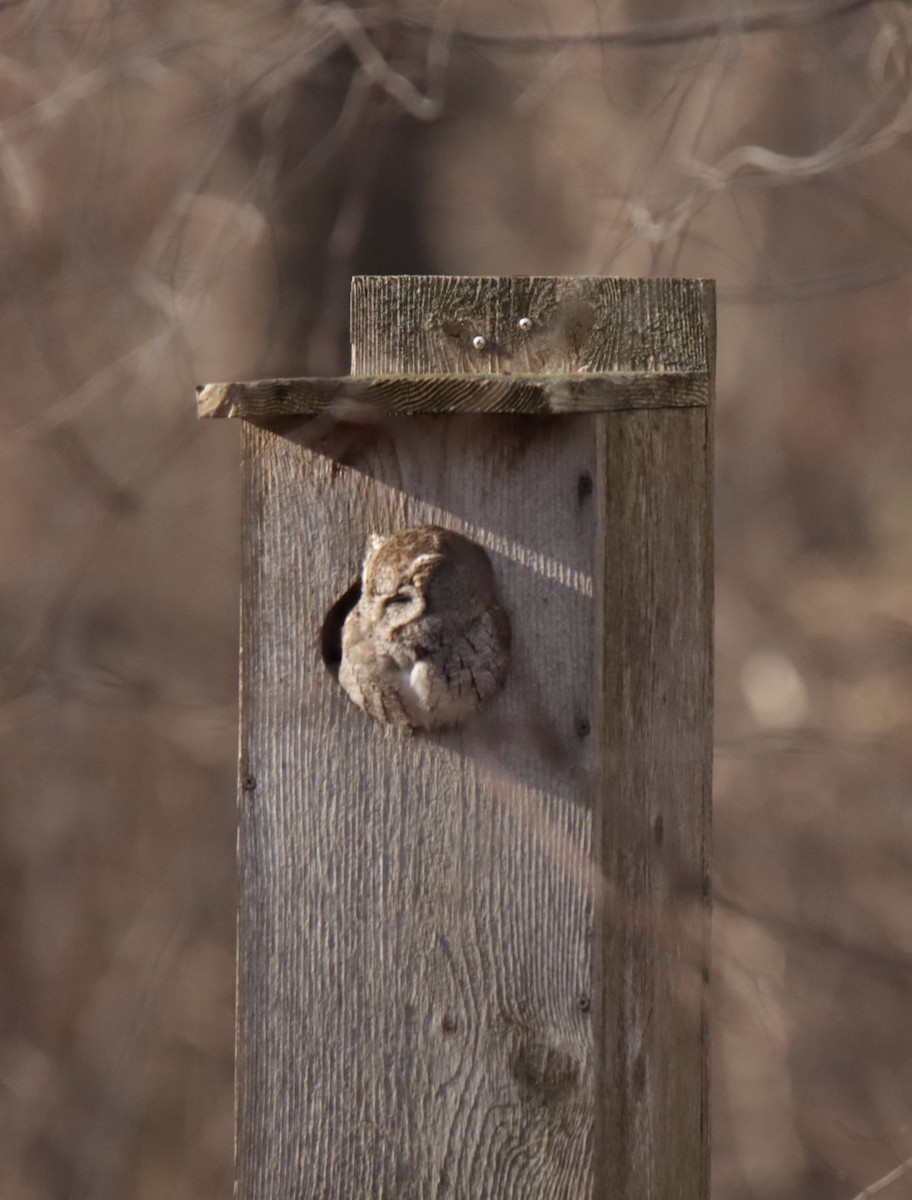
<point>654,746</point>
<point>416,996</point>
<point>427,323</point>
<point>415,913</point>
<point>354,397</point>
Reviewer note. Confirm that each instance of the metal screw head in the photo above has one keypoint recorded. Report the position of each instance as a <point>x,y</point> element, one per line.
<point>525,324</point>
<point>479,342</point>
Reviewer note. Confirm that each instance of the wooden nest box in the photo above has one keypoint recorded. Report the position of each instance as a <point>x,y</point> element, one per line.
<point>473,960</point>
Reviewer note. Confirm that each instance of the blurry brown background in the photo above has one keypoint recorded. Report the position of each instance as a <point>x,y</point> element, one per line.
<point>186,189</point>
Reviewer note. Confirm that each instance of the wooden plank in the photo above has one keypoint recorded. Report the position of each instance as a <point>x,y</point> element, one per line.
<point>653,727</point>
<point>428,323</point>
<point>414,1005</point>
<point>355,398</point>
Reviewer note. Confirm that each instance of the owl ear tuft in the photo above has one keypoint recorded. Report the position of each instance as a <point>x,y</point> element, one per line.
<point>423,565</point>
<point>374,542</point>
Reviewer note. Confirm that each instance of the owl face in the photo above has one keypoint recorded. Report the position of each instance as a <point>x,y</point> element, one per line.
<point>427,571</point>
<point>397,581</point>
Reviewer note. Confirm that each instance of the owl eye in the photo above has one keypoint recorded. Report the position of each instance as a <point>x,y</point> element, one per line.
<point>397,598</point>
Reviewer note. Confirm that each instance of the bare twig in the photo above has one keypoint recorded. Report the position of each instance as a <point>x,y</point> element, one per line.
<point>653,33</point>
<point>891,1177</point>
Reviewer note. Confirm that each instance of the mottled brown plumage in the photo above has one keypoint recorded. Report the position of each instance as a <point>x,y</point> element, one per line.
<point>429,641</point>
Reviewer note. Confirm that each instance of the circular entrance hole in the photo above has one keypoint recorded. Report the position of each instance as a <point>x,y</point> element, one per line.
<point>331,630</point>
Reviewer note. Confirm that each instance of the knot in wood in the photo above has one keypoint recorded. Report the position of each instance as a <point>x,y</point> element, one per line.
<point>550,1071</point>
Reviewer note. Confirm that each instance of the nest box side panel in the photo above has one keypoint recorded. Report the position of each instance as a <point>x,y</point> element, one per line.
<point>414,997</point>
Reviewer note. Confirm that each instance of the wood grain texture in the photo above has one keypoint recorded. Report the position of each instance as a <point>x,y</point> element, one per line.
<point>416,989</point>
<point>414,940</point>
<point>426,323</point>
<point>356,398</point>
<point>652,818</point>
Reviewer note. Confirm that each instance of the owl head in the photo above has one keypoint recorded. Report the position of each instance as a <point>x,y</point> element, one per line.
<point>424,571</point>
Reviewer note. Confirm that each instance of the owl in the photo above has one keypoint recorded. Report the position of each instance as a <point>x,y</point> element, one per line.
<point>428,641</point>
